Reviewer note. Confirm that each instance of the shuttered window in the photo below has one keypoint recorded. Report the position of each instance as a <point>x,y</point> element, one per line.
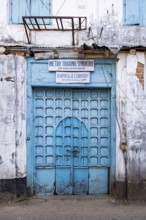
<point>135,12</point>
<point>19,8</point>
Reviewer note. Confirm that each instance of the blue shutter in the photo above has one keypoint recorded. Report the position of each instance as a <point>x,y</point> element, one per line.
<point>40,7</point>
<point>132,12</point>
<point>143,14</point>
<point>18,8</point>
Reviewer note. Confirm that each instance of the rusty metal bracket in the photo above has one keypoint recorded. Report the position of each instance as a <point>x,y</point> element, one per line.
<point>54,23</point>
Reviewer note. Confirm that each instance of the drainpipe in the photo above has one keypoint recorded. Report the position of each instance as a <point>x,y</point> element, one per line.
<point>124,148</point>
<point>123,145</point>
<point>16,125</point>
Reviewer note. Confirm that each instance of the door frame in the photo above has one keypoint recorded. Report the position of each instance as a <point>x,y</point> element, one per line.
<point>31,83</point>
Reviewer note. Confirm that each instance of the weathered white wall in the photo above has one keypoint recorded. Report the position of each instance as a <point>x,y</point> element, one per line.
<point>105,21</point>
<point>12,117</point>
<point>136,116</point>
<point>131,116</point>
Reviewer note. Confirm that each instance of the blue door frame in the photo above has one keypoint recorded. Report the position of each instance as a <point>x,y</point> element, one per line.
<point>38,75</point>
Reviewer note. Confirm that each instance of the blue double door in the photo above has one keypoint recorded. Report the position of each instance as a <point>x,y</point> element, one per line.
<point>71,150</point>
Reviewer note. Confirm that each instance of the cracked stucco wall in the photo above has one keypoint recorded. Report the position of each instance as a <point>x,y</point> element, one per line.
<point>12,120</point>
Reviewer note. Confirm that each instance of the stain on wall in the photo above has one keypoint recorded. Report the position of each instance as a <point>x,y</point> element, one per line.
<point>1,160</point>
<point>140,73</point>
<point>13,160</point>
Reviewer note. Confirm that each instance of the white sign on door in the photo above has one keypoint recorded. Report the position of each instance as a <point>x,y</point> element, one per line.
<point>71,65</point>
<point>72,77</point>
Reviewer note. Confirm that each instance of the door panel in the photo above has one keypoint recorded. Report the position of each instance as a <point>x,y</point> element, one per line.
<point>71,141</point>
<point>98,181</point>
<point>80,183</point>
<point>70,154</point>
<point>63,181</point>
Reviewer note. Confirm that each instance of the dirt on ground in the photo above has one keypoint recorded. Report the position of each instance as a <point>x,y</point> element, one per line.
<point>70,208</point>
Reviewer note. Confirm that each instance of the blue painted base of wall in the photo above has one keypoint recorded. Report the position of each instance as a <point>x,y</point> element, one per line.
<point>15,186</point>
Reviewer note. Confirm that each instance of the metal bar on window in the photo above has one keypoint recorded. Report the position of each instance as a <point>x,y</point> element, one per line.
<point>57,23</point>
<point>61,23</point>
<point>44,24</point>
<point>37,23</point>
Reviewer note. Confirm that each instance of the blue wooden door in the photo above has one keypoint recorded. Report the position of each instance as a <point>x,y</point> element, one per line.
<point>71,141</point>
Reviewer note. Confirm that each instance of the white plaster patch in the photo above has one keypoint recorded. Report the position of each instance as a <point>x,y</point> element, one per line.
<point>140,57</point>
<point>131,64</point>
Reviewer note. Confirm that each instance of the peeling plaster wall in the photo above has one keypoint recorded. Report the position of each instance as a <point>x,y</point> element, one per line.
<point>105,26</point>
<point>108,29</point>
<point>136,116</point>
<point>131,117</point>
<point>7,119</point>
<point>12,120</point>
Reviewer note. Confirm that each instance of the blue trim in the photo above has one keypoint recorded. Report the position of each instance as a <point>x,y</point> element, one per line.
<point>137,16</point>
<point>17,9</point>
<point>113,130</point>
<point>9,12</point>
<point>29,133</point>
<point>107,85</point>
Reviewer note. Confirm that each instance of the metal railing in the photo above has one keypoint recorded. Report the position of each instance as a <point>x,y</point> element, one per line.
<point>54,23</point>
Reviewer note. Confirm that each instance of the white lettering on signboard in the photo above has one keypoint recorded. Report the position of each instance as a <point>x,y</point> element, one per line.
<point>72,77</point>
<point>71,65</point>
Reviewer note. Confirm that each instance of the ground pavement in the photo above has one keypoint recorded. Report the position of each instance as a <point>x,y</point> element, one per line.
<point>71,208</point>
